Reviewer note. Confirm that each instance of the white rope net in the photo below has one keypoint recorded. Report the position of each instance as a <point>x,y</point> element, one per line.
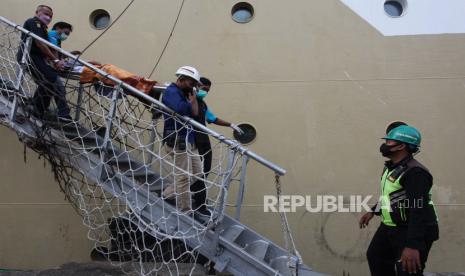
<point>142,200</point>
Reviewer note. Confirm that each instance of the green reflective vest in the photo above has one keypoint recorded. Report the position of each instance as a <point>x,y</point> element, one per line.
<point>394,198</point>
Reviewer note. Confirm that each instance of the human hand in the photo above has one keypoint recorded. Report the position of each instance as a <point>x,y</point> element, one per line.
<point>59,64</point>
<point>410,260</point>
<point>192,97</point>
<point>365,219</point>
<point>237,129</point>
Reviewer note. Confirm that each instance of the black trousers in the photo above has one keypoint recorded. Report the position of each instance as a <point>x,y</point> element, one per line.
<point>49,86</point>
<point>386,249</point>
<point>205,151</point>
<point>198,188</point>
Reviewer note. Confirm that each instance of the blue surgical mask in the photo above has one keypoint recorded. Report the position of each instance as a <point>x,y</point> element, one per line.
<point>63,37</point>
<point>202,94</point>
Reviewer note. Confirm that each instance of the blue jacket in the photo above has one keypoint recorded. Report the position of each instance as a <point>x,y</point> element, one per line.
<point>174,98</point>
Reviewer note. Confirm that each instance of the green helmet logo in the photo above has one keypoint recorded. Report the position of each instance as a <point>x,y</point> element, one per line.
<point>405,134</point>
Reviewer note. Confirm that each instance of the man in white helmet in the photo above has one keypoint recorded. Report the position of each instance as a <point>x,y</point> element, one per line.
<point>179,141</point>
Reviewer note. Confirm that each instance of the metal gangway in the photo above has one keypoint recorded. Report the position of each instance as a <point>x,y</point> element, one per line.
<point>111,164</point>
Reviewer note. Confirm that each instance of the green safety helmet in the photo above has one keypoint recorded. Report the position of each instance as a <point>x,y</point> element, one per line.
<point>405,134</point>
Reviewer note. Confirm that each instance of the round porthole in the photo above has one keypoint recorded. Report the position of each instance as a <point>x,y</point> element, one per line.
<point>242,12</point>
<point>99,19</point>
<point>395,8</point>
<point>249,135</point>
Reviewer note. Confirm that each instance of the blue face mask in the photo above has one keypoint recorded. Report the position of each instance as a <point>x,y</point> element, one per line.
<point>63,37</point>
<point>202,94</point>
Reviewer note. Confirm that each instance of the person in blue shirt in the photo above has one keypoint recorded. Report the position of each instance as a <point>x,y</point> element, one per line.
<point>203,144</point>
<point>179,139</point>
<point>59,33</point>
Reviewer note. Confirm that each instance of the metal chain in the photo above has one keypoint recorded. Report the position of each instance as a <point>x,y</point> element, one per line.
<point>288,238</point>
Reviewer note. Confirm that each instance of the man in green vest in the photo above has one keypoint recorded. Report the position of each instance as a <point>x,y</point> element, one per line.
<point>409,224</point>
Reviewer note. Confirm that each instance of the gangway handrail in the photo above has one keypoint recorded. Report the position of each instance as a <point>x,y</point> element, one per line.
<point>232,143</point>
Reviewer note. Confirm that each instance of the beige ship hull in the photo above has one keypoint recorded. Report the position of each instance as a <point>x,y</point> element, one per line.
<point>318,83</point>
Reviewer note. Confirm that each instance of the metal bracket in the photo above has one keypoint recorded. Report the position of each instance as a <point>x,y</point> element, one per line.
<point>222,264</point>
<point>109,124</point>
<point>19,79</point>
<point>79,102</point>
<point>240,194</point>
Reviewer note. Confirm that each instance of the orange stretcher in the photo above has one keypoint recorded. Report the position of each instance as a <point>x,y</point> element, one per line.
<point>141,83</point>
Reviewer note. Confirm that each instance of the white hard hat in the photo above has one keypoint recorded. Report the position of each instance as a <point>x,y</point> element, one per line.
<point>188,71</point>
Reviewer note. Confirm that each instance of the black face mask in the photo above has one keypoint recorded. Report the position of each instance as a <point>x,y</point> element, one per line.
<point>386,150</point>
<point>187,91</point>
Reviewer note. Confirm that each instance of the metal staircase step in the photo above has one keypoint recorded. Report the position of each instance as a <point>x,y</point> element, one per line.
<point>121,160</point>
<point>142,174</point>
<point>139,173</point>
<point>232,233</point>
<point>133,170</point>
<point>258,249</point>
<point>88,138</point>
<point>280,263</point>
<point>126,164</point>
